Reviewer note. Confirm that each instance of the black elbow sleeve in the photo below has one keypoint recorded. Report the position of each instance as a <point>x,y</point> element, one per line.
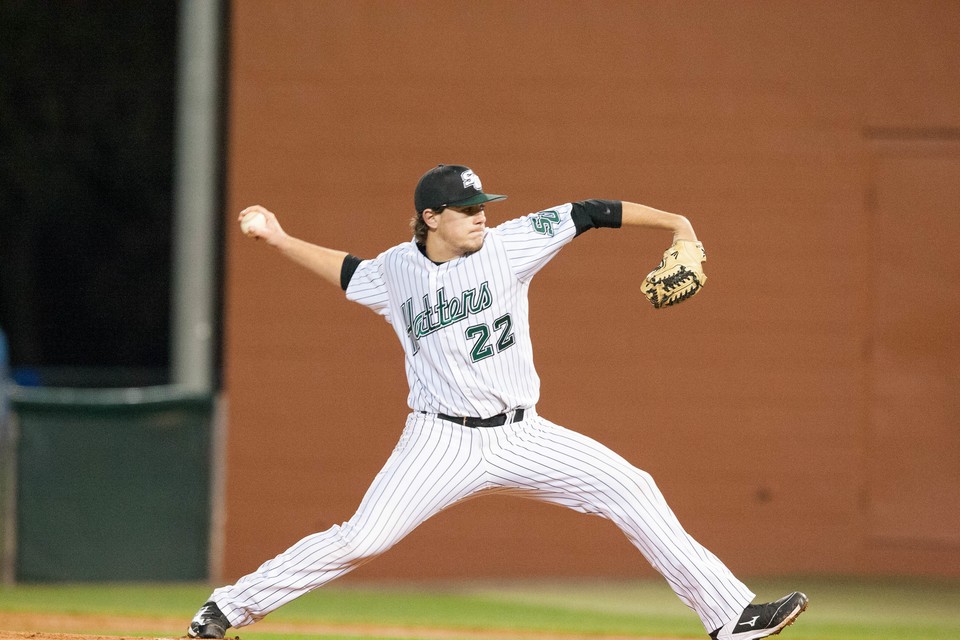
<point>591,214</point>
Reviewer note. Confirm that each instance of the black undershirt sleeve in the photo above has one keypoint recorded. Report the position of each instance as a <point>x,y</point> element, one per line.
<point>349,266</point>
<point>591,214</point>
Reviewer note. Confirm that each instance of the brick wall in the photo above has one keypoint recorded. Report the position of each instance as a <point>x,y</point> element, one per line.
<point>800,415</point>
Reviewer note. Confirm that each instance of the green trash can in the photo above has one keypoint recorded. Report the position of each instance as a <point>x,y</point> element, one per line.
<point>112,484</point>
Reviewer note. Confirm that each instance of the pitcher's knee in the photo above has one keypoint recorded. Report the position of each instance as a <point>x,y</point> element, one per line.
<point>645,482</point>
<point>359,546</point>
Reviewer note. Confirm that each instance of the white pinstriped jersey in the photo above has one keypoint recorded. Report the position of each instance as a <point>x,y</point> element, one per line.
<point>464,324</point>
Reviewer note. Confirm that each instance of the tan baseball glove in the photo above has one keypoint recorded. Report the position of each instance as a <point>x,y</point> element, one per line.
<point>678,276</point>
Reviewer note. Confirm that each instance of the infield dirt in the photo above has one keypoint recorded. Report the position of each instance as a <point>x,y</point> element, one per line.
<point>65,627</point>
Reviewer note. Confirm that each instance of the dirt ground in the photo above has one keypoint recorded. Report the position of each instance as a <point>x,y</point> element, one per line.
<point>66,627</point>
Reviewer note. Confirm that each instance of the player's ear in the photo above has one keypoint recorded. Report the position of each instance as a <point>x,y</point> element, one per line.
<point>430,218</point>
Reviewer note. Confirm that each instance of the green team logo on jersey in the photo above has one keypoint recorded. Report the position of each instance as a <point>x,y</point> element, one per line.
<point>444,313</point>
<point>543,222</point>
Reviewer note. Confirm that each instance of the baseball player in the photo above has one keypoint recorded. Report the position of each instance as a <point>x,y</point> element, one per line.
<point>456,296</point>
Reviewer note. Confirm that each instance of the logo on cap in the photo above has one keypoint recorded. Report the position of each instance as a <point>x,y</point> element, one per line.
<point>470,179</point>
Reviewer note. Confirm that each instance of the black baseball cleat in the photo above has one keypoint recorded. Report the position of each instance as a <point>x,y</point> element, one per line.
<point>762,620</point>
<point>209,622</point>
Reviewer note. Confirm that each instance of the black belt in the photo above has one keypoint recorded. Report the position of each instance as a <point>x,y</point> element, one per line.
<point>493,421</point>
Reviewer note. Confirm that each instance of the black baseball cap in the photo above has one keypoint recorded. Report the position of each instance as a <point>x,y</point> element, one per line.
<point>450,185</point>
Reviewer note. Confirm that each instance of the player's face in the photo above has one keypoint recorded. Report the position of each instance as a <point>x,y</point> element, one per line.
<point>460,229</point>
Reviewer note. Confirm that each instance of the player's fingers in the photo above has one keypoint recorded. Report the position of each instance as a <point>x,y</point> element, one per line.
<point>254,208</point>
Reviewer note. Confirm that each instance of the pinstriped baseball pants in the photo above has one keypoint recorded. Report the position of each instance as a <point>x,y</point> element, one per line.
<point>437,464</point>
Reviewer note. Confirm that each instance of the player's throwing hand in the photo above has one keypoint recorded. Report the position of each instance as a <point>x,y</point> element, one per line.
<point>258,222</point>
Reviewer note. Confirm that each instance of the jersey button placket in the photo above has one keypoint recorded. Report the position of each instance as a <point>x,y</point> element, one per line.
<point>455,346</point>
<point>444,339</point>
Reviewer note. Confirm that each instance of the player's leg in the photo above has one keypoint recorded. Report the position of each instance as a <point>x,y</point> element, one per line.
<point>557,465</point>
<point>432,467</point>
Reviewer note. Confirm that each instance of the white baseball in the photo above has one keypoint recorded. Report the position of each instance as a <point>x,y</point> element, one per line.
<point>252,222</point>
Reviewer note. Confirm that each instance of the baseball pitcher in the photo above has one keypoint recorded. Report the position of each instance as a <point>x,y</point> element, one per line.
<point>456,296</point>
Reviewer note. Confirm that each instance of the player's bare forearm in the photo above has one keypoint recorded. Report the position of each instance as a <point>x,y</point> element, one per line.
<point>324,262</point>
<point>643,216</point>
